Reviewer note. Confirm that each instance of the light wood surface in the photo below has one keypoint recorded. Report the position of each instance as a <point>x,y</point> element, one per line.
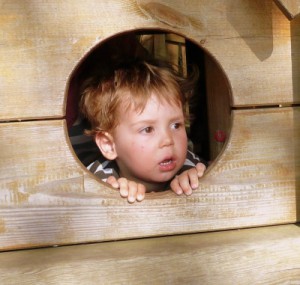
<point>42,43</point>
<point>291,8</point>
<point>48,198</point>
<point>252,256</point>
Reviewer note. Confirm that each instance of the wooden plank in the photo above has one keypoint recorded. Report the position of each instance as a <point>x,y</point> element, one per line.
<point>251,256</point>
<point>48,198</point>
<point>253,64</point>
<point>295,45</point>
<point>291,8</point>
<point>42,43</point>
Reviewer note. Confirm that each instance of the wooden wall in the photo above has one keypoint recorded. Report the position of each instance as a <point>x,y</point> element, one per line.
<point>47,197</point>
<point>264,256</point>
<point>291,8</point>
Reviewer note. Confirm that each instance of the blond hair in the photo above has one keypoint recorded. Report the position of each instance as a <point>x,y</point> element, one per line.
<point>129,85</point>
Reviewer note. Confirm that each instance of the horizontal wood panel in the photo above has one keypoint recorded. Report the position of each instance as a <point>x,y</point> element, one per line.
<point>252,256</point>
<point>48,198</point>
<point>42,43</point>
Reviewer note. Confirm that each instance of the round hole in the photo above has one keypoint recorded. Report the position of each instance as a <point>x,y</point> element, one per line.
<point>209,109</point>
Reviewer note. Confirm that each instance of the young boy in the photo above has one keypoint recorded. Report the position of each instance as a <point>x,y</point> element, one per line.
<point>137,120</point>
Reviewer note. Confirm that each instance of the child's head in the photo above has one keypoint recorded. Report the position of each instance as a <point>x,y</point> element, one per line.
<point>136,115</point>
<point>130,85</point>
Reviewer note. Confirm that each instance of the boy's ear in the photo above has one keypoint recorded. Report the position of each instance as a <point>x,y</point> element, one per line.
<point>105,143</point>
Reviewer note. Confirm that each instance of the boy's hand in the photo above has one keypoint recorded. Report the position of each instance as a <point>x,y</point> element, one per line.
<point>187,181</point>
<point>128,189</point>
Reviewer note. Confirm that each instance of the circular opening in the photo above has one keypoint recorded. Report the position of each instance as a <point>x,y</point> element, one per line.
<point>209,109</point>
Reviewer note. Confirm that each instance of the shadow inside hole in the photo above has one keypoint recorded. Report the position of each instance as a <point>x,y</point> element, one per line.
<point>209,108</point>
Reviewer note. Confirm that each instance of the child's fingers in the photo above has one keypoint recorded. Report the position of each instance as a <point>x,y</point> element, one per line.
<point>111,180</point>
<point>193,178</point>
<point>140,192</point>
<point>200,169</point>
<point>175,186</point>
<point>180,185</point>
<point>123,185</point>
<point>185,183</point>
<point>132,191</point>
<point>136,192</point>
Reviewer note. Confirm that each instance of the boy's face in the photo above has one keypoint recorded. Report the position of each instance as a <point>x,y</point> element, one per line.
<point>151,146</point>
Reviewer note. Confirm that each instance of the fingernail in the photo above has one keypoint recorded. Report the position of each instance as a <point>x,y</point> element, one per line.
<point>140,198</point>
<point>124,193</point>
<point>131,199</point>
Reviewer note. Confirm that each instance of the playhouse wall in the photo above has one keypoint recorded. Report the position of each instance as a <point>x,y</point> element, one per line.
<point>47,197</point>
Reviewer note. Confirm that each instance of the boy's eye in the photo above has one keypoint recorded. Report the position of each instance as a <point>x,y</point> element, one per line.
<point>147,130</point>
<point>176,126</point>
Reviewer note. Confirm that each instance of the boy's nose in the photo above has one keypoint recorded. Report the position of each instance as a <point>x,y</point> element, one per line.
<point>166,138</point>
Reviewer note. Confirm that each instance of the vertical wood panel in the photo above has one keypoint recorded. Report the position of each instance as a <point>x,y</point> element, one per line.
<point>295,43</point>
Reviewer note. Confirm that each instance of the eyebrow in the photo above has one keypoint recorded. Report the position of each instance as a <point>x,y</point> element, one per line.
<point>151,122</point>
<point>143,122</point>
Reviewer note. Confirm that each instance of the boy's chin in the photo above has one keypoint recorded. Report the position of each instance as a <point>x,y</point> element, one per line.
<point>164,178</point>
<point>159,179</point>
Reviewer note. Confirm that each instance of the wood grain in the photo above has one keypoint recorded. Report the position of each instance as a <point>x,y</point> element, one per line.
<point>43,42</point>
<point>291,8</point>
<point>48,198</point>
<point>251,256</point>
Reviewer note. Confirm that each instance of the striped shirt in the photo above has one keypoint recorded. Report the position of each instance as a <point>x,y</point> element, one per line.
<point>104,168</point>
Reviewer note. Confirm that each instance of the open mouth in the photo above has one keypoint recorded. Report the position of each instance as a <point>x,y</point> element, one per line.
<point>167,164</point>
